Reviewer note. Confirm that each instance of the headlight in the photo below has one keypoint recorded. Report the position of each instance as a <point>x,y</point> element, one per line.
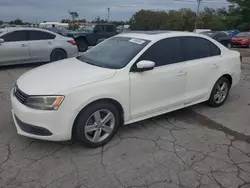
<point>44,102</point>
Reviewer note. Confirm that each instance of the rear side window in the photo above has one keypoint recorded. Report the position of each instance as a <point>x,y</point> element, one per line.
<point>196,48</point>
<point>40,35</point>
<point>110,28</point>
<point>15,36</point>
<point>163,52</point>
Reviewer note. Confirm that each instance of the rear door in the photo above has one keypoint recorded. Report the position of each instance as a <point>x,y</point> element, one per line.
<point>110,31</point>
<point>203,60</point>
<point>15,48</point>
<point>40,45</point>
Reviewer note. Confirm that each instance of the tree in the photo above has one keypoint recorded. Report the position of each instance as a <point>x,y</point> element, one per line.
<point>74,15</point>
<point>99,20</point>
<point>1,22</point>
<point>65,21</point>
<point>239,14</point>
<point>73,26</point>
<point>18,22</point>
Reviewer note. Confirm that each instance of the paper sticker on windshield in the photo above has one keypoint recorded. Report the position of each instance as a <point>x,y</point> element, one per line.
<point>137,41</point>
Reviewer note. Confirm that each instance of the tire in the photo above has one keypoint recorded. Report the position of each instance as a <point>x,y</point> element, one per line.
<point>58,54</point>
<point>82,45</point>
<point>87,134</point>
<point>218,97</point>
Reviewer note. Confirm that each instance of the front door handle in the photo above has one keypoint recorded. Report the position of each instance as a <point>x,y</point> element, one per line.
<point>24,45</point>
<point>181,73</point>
<point>215,66</point>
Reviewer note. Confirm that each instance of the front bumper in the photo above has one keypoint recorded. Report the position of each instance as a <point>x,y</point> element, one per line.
<point>238,44</point>
<point>40,124</point>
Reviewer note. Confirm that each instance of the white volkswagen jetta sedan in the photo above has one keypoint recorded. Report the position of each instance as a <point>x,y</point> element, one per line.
<point>127,78</point>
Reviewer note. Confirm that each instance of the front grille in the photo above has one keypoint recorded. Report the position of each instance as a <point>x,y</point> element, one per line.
<point>236,43</point>
<point>21,96</point>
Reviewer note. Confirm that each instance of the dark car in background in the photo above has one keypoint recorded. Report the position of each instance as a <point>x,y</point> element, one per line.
<point>92,34</point>
<point>241,40</point>
<point>220,36</point>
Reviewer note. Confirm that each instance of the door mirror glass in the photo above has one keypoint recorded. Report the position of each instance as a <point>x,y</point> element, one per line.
<point>145,65</point>
<point>1,41</point>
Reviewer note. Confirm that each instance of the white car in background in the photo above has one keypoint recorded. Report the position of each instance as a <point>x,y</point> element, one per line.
<point>124,79</point>
<point>28,45</point>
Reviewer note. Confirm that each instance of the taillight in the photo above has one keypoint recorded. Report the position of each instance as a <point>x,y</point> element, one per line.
<point>72,42</point>
<point>241,59</point>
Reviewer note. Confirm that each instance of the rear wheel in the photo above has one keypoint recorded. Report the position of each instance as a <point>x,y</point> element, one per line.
<point>82,45</point>
<point>97,124</point>
<point>58,54</point>
<point>220,92</point>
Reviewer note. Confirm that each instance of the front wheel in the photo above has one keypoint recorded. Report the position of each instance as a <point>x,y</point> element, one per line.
<point>219,93</point>
<point>97,124</point>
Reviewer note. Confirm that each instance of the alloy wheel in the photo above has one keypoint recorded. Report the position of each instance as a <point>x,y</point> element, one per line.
<point>221,92</point>
<point>99,125</point>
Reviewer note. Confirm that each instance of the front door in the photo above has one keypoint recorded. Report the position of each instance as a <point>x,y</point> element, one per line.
<point>162,88</point>
<point>15,48</point>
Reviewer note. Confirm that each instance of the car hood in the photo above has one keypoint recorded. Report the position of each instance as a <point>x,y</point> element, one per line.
<point>62,75</point>
<point>239,38</point>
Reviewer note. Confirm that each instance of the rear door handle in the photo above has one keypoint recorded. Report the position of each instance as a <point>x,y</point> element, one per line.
<point>181,73</point>
<point>24,45</point>
<point>215,66</point>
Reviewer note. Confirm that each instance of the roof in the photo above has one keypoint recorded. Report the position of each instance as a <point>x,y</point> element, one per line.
<point>156,35</point>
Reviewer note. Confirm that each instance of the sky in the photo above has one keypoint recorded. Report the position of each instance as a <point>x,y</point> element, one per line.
<point>55,10</point>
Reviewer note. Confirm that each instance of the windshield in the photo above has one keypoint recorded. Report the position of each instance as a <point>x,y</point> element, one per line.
<point>114,53</point>
<point>244,34</point>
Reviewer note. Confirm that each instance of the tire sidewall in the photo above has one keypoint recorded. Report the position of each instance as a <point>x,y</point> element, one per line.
<point>79,127</point>
<point>211,101</point>
<point>82,42</point>
<point>54,55</point>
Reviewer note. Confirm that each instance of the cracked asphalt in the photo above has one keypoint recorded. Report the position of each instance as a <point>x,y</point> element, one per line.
<point>183,149</point>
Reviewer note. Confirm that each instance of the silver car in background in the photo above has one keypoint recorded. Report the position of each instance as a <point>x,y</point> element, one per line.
<point>28,45</point>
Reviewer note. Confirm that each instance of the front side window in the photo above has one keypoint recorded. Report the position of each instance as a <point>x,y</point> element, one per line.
<point>114,53</point>
<point>163,52</point>
<point>196,48</point>
<point>15,36</point>
<point>40,35</point>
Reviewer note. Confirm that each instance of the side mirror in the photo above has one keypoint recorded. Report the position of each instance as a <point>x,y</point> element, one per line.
<point>145,65</point>
<point>1,41</point>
